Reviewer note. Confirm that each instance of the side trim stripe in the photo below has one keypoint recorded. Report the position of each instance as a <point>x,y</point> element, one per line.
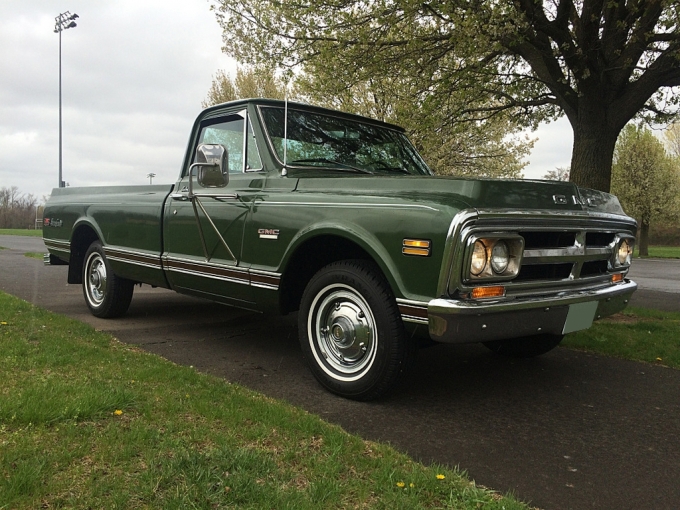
<point>242,276</point>
<point>413,311</point>
<point>132,257</point>
<point>63,246</point>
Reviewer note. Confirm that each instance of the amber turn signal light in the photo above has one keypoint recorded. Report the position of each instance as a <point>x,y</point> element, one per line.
<point>419,247</point>
<point>488,292</point>
<point>618,277</point>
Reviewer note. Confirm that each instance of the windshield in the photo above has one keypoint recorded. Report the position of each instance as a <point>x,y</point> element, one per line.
<point>318,140</point>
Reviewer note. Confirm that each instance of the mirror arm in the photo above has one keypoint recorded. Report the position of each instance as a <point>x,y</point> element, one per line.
<point>191,174</point>
<point>195,201</point>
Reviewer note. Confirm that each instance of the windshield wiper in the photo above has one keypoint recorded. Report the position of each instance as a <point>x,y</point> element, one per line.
<point>338,164</point>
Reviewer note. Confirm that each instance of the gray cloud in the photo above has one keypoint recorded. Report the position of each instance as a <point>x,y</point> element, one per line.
<point>134,75</point>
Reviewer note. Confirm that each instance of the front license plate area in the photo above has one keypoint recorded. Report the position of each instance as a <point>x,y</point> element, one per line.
<point>580,316</point>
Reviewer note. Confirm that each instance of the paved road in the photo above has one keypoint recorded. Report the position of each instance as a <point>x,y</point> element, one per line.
<point>567,430</point>
<point>659,283</point>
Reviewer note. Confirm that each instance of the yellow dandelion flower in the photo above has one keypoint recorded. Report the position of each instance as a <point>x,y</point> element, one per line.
<point>659,359</point>
<point>440,477</point>
<point>117,412</point>
<point>3,323</point>
<point>400,484</point>
<point>412,485</point>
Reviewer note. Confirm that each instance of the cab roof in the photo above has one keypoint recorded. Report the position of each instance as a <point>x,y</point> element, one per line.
<point>298,106</point>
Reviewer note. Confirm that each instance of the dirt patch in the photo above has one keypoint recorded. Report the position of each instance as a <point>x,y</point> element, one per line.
<point>619,318</point>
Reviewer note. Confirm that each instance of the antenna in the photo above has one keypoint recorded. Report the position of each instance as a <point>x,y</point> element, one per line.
<point>284,171</point>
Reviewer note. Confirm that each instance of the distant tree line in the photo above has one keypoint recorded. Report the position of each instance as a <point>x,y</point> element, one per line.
<point>17,210</point>
<point>645,177</point>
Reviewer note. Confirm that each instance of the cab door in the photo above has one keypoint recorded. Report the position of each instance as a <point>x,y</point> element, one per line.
<point>203,241</point>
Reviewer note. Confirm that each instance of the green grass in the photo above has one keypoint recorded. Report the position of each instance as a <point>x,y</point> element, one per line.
<point>34,255</point>
<point>664,252</point>
<point>88,422</point>
<point>637,334</point>
<point>20,232</point>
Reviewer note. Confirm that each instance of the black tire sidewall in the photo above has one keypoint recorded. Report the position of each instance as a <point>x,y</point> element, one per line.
<point>392,345</point>
<point>118,291</point>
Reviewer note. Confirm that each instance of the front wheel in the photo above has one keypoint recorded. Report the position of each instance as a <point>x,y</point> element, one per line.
<point>525,347</point>
<point>106,294</point>
<point>351,332</point>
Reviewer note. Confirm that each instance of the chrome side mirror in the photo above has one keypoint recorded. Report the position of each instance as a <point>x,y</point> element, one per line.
<point>212,168</point>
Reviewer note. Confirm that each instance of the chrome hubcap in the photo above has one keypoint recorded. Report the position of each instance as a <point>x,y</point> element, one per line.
<point>342,327</point>
<point>96,279</point>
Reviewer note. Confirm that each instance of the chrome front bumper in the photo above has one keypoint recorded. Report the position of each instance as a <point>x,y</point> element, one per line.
<point>455,321</point>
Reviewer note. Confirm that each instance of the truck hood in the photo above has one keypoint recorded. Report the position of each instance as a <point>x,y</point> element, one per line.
<point>463,193</point>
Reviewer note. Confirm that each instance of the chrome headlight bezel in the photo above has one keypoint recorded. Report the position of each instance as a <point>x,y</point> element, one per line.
<point>492,272</point>
<point>622,254</point>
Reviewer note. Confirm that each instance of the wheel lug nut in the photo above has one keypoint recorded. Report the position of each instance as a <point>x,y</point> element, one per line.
<point>361,315</point>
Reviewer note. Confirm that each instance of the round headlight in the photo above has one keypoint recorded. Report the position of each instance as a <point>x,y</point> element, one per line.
<point>500,257</point>
<point>624,253</point>
<point>478,262</point>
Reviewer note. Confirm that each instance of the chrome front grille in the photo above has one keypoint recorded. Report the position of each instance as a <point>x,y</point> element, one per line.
<point>562,251</point>
<point>571,255</point>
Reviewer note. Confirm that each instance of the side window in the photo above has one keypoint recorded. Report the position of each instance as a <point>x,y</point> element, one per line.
<point>229,132</point>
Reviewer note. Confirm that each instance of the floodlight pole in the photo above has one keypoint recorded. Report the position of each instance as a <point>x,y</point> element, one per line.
<point>62,22</point>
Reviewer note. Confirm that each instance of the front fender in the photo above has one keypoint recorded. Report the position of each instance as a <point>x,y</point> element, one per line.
<point>360,236</point>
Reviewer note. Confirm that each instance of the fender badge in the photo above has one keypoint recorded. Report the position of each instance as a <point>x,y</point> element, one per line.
<point>51,222</point>
<point>268,233</point>
<point>560,199</point>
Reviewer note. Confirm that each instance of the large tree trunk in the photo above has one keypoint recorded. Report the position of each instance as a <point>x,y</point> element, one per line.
<point>593,151</point>
<point>643,245</point>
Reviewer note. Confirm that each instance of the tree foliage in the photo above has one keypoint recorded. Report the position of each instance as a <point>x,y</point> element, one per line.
<point>248,82</point>
<point>673,139</point>
<point>561,173</point>
<point>17,210</point>
<point>598,62</point>
<point>646,180</point>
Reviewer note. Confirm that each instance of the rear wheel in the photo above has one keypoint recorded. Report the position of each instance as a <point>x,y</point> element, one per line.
<point>351,331</point>
<point>525,347</point>
<point>106,294</point>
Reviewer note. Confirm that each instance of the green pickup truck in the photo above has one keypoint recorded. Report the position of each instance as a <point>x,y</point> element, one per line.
<point>283,207</point>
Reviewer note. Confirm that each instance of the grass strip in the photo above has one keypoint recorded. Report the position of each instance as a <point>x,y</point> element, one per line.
<point>20,232</point>
<point>88,422</point>
<point>637,334</point>
<point>663,252</point>
<point>34,255</point>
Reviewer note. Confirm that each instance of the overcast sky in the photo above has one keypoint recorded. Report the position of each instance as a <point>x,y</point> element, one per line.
<point>134,73</point>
